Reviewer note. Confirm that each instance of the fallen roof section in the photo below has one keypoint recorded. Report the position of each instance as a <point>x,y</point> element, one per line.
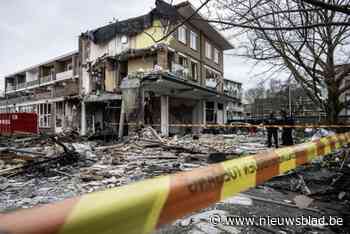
<point>135,25</point>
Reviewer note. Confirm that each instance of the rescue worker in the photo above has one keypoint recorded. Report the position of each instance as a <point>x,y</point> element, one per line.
<point>272,131</point>
<point>287,132</point>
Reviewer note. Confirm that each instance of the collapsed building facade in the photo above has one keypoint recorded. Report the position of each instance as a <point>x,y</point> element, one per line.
<point>143,70</point>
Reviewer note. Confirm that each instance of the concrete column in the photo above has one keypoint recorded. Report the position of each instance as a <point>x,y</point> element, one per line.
<point>164,120</point>
<point>121,121</point>
<point>53,116</point>
<point>225,112</point>
<point>204,103</point>
<point>83,119</point>
<point>216,113</point>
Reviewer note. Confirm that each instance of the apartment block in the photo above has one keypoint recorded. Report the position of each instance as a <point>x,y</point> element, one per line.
<point>51,89</point>
<point>156,69</point>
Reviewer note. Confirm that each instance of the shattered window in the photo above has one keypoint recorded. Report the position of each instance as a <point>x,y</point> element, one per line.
<point>220,106</point>
<point>194,70</point>
<point>183,61</point>
<point>210,112</point>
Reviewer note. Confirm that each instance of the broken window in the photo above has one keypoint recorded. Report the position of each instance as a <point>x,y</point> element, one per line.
<point>212,78</point>
<point>183,61</point>
<point>124,39</point>
<point>210,112</point>
<point>220,106</point>
<point>194,70</point>
<point>68,67</point>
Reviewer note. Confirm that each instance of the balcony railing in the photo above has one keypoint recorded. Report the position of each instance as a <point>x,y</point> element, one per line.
<point>21,85</point>
<point>64,75</point>
<point>32,83</point>
<point>182,72</point>
<point>10,88</point>
<point>46,79</point>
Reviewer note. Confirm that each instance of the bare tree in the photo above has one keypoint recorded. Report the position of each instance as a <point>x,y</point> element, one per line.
<point>254,93</point>
<point>297,37</point>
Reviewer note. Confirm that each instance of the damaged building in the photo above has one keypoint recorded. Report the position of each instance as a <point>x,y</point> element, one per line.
<point>146,70</point>
<point>133,69</point>
<point>50,89</point>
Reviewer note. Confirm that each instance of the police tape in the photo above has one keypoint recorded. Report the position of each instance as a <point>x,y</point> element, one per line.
<point>143,206</point>
<point>303,126</point>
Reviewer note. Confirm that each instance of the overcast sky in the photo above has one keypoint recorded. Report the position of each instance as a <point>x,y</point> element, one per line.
<point>32,31</point>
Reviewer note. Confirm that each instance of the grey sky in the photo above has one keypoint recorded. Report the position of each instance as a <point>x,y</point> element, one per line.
<point>33,31</point>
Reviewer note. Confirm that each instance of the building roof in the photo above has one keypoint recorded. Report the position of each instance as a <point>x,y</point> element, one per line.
<point>186,9</point>
<point>62,57</point>
<point>162,10</point>
<point>134,25</point>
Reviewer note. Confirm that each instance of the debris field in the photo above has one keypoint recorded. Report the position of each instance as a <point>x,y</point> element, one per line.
<point>45,169</point>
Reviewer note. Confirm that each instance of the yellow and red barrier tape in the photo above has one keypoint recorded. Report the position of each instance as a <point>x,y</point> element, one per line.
<point>247,125</point>
<point>143,206</point>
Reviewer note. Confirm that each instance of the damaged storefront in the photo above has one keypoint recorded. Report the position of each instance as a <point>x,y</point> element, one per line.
<point>171,105</point>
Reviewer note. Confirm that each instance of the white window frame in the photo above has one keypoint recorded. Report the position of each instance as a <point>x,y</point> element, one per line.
<point>208,50</point>
<point>193,40</point>
<point>181,34</point>
<point>216,56</point>
<point>44,116</point>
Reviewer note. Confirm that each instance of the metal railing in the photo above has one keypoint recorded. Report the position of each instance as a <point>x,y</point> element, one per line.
<point>21,85</point>
<point>46,79</point>
<point>11,88</point>
<point>32,83</point>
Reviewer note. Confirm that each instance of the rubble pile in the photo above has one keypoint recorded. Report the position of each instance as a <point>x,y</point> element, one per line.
<point>43,169</point>
<point>318,190</point>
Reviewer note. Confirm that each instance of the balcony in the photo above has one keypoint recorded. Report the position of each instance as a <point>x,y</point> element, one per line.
<point>10,88</point>
<point>72,88</point>
<point>32,83</point>
<point>21,85</point>
<point>64,75</point>
<point>46,79</point>
<point>182,72</point>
